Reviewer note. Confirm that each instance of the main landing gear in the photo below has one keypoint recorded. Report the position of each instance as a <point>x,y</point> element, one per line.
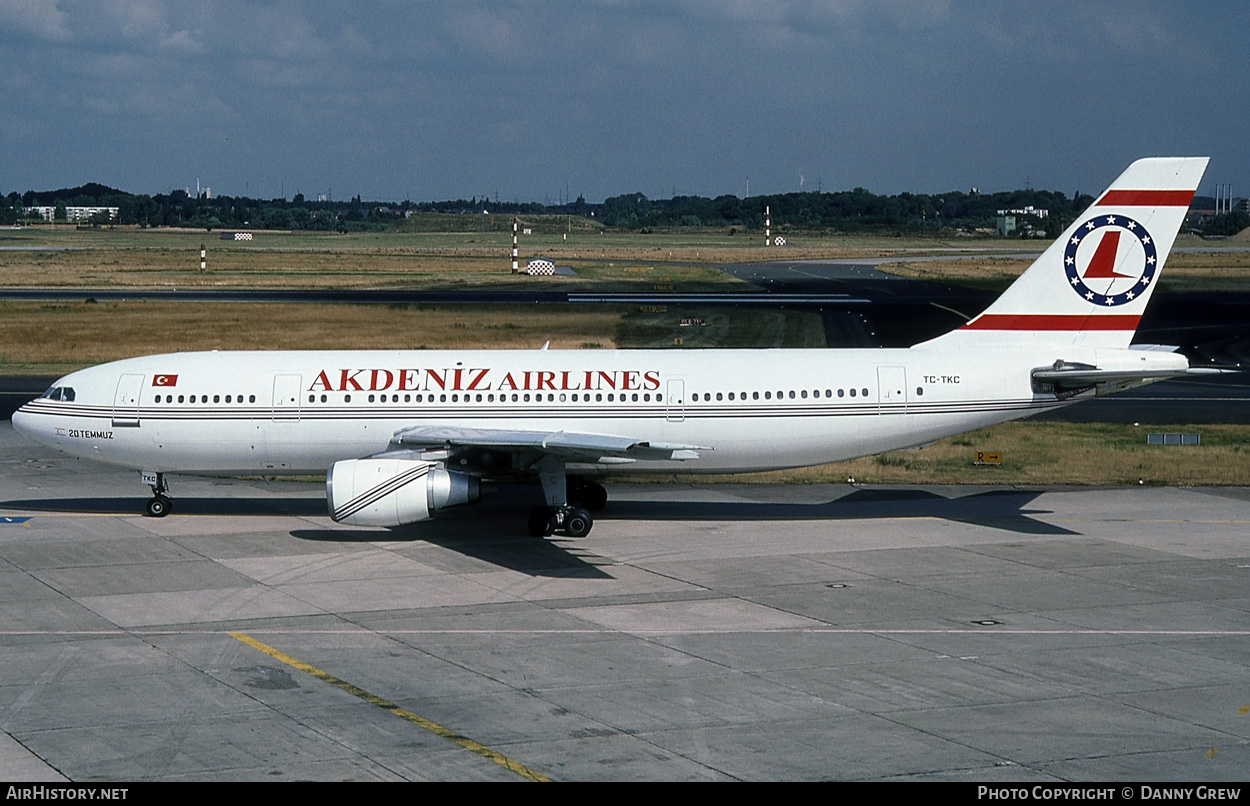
<point>573,521</point>
<point>160,504</point>
<point>569,503</point>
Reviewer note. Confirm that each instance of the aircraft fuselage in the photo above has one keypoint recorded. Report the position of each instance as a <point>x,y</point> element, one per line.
<point>299,412</point>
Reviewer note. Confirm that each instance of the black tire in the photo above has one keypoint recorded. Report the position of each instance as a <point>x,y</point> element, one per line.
<point>542,522</point>
<point>577,522</point>
<point>158,506</point>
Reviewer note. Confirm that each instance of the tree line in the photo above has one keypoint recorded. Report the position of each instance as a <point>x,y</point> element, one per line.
<point>856,210</point>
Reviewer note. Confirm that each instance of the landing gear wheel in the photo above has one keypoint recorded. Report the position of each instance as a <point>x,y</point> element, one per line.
<point>577,522</point>
<point>542,522</point>
<point>159,506</point>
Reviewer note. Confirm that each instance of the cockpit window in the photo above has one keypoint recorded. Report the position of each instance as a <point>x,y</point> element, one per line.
<point>65,393</point>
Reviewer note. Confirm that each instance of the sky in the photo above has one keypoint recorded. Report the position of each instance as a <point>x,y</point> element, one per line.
<point>543,100</point>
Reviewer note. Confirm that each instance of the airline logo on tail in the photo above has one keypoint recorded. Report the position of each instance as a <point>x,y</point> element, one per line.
<point>1113,274</point>
<point>1090,287</point>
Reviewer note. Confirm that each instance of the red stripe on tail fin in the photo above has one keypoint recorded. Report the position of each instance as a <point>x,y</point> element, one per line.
<point>1073,322</point>
<point>1147,198</point>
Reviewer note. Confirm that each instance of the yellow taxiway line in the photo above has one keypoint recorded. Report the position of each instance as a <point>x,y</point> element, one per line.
<point>402,713</point>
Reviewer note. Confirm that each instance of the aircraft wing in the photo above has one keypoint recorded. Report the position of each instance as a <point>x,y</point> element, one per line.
<point>565,445</point>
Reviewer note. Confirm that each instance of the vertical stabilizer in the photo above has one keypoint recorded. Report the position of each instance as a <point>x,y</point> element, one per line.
<point>1090,287</point>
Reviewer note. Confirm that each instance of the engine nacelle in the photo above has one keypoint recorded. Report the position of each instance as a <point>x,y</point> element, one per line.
<point>392,492</point>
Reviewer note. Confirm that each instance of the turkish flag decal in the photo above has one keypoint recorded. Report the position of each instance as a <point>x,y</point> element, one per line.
<point>164,380</point>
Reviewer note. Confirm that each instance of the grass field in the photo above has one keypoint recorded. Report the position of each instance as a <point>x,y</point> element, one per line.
<point>1220,267</point>
<point>134,258</point>
<point>1047,453</point>
<point>398,261</point>
<point>38,338</point>
<point>53,338</point>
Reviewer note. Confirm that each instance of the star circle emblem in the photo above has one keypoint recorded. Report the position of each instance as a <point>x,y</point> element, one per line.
<point>1101,278</point>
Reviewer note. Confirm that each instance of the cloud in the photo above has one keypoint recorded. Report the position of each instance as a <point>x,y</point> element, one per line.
<point>38,18</point>
<point>611,94</point>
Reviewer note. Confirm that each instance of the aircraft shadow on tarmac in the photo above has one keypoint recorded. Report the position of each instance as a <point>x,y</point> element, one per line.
<point>536,556</point>
<point>493,533</point>
<point>490,534</point>
<point>999,509</point>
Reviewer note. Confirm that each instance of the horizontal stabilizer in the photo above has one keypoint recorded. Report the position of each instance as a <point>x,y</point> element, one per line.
<point>1073,377</point>
<point>1081,378</point>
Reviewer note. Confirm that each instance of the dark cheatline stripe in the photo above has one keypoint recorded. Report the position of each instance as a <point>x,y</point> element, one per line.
<point>697,411</point>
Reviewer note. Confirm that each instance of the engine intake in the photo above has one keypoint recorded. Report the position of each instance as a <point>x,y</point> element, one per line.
<point>393,492</point>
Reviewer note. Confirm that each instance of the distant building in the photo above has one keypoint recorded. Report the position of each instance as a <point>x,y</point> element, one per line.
<point>73,213</point>
<point>85,213</point>
<point>1040,212</point>
<point>1006,224</point>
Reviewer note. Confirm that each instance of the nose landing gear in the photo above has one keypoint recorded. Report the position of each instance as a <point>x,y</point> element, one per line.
<point>160,504</point>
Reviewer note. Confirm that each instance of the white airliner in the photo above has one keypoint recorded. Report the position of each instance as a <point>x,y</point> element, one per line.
<point>403,434</point>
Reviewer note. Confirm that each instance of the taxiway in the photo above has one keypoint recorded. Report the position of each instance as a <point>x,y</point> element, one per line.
<point>701,632</point>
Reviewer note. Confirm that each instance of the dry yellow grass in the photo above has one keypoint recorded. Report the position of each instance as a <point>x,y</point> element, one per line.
<point>134,258</point>
<point>316,268</point>
<point>1190,271</point>
<point>1207,271</point>
<point>170,258</point>
<point>1048,453</point>
<point>974,270</point>
<point>42,337</point>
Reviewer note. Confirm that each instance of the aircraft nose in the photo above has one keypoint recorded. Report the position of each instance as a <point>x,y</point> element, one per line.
<point>24,423</point>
